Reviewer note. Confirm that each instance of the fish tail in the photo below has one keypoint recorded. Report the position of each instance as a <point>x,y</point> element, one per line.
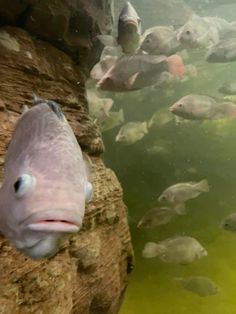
<point>203,186</point>
<point>230,109</point>
<point>151,250</point>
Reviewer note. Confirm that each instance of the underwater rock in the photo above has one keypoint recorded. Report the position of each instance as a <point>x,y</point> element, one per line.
<point>72,26</point>
<point>89,274</point>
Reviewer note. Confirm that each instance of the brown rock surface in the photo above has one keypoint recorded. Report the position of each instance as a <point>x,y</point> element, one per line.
<point>70,25</point>
<point>89,274</point>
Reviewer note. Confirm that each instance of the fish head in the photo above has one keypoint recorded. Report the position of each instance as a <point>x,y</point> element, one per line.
<point>38,213</point>
<point>183,108</point>
<point>166,197</point>
<point>201,252</point>
<point>129,18</point>
<point>229,223</point>
<point>45,185</point>
<point>150,43</point>
<point>129,29</point>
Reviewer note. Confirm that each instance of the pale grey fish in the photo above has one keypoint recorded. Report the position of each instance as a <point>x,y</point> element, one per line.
<point>129,29</point>
<point>228,88</point>
<point>223,51</point>
<point>178,250</point>
<point>160,40</point>
<point>156,217</point>
<point>45,184</point>
<point>229,223</point>
<point>160,118</point>
<point>131,132</point>
<point>99,108</point>
<point>133,72</point>
<point>114,119</point>
<point>177,194</point>
<point>203,107</point>
<point>203,31</point>
<point>200,285</point>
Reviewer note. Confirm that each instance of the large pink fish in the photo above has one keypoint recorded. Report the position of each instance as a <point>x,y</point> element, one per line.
<point>45,185</point>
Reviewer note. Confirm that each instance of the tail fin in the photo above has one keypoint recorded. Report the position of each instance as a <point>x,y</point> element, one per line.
<point>203,186</point>
<point>150,250</point>
<point>230,109</point>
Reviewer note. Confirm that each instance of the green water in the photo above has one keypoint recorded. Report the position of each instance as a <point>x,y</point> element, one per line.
<point>210,148</point>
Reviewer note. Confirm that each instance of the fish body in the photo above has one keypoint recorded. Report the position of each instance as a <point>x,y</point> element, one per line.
<point>228,88</point>
<point>203,31</point>
<point>178,250</point>
<point>45,184</point>
<point>160,40</point>
<point>114,119</point>
<point>200,285</point>
<point>229,222</point>
<point>177,194</point>
<point>156,217</point>
<point>129,29</point>
<point>202,107</point>
<point>99,108</point>
<point>223,51</point>
<point>138,71</point>
<point>131,132</point>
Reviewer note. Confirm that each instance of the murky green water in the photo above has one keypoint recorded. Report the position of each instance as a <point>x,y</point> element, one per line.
<point>195,150</point>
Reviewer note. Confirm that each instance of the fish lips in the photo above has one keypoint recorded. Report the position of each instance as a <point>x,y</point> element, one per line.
<point>57,220</point>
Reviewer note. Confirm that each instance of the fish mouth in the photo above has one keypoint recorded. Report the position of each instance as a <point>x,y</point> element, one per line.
<point>60,221</point>
<point>130,22</point>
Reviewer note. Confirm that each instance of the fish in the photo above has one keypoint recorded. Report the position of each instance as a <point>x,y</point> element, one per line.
<point>200,285</point>
<point>102,67</point>
<point>223,51</point>
<point>131,132</point>
<point>160,40</point>
<point>229,223</point>
<point>178,250</point>
<point>99,108</point>
<point>114,119</point>
<point>228,88</point>
<point>46,182</point>
<point>203,32</point>
<point>129,29</point>
<point>138,71</point>
<point>160,118</point>
<point>203,107</point>
<point>177,194</point>
<point>156,217</point>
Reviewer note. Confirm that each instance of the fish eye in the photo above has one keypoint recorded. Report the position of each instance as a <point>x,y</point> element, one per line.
<point>23,184</point>
<point>180,105</point>
<point>188,33</point>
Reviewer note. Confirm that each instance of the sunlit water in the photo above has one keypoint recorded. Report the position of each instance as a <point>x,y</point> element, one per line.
<point>209,148</point>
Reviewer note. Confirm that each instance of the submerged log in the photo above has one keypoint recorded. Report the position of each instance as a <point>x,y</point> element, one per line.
<point>89,273</point>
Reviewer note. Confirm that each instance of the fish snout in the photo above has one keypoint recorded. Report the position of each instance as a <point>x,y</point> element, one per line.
<point>57,220</point>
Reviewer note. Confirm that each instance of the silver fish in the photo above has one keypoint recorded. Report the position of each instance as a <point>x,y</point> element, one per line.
<point>203,31</point>
<point>114,119</point>
<point>200,285</point>
<point>45,184</point>
<point>177,194</point>
<point>132,132</point>
<point>223,51</point>
<point>203,107</point>
<point>156,217</point>
<point>129,29</point>
<point>160,40</point>
<point>229,223</point>
<point>228,88</point>
<point>178,250</point>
